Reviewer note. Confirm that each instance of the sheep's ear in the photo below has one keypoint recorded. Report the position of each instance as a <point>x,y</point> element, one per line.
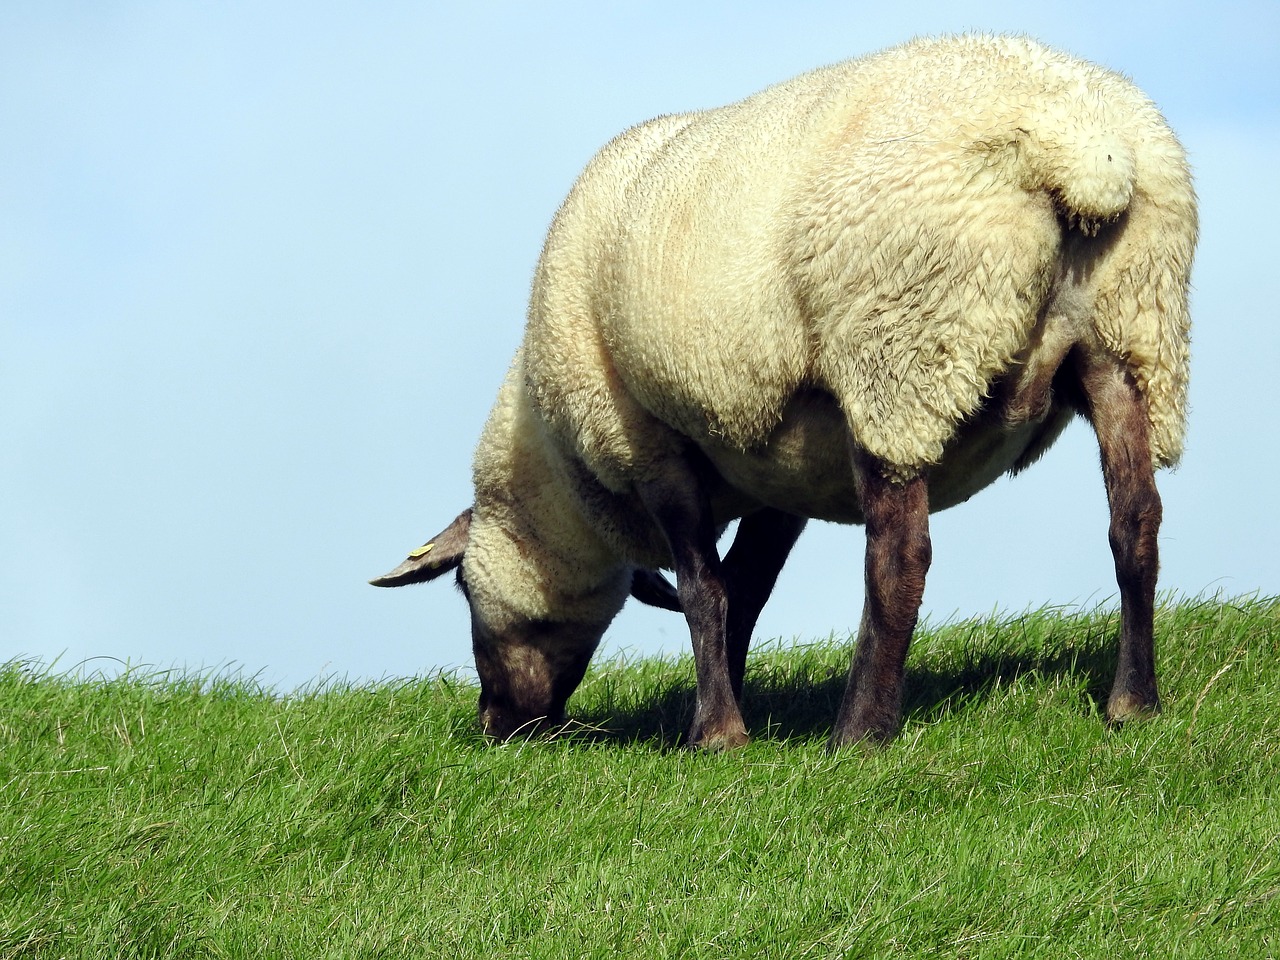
<point>651,587</point>
<point>438,555</point>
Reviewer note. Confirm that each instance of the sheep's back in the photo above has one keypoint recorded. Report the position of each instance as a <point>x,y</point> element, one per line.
<point>886,230</point>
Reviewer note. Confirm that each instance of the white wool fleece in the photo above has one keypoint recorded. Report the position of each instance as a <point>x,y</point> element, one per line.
<point>886,230</point>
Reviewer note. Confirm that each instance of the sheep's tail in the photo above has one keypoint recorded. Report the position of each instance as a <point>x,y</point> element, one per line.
<point>1089,170</point>
<point>1139,283</point>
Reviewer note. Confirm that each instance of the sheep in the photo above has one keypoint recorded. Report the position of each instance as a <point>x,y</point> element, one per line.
<point>860,295</point>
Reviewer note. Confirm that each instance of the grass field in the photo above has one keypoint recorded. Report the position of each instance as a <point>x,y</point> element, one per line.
<point>169,816</point>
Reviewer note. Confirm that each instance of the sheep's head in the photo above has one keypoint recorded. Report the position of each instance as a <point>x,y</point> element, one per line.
<point>528,671</point>
<point>528,667</point>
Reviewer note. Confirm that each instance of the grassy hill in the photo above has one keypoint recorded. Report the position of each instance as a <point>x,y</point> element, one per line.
<point>173,816</point>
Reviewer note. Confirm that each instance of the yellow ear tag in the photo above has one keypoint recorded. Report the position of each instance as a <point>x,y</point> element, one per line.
<point>422,551</point>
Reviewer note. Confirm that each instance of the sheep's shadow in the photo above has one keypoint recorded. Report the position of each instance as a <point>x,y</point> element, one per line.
<point>785,703</point>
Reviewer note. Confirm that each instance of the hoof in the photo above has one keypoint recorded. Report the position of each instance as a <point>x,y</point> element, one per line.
<point>869,729</point>
<point>714,742</point>
<point>1123,707</point>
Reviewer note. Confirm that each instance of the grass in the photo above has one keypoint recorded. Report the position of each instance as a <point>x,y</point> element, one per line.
<point>176,816</point>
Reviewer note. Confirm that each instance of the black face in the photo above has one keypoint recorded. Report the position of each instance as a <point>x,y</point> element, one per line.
<point>528,673</point>
<point>530,667</point>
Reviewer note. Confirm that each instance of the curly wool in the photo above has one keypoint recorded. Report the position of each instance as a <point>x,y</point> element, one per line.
<point>888,230</point>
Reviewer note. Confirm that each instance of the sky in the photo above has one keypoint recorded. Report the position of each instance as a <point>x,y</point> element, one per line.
<point>263,267</point>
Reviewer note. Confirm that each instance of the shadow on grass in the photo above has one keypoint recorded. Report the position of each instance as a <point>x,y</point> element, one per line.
<point>794,695</point>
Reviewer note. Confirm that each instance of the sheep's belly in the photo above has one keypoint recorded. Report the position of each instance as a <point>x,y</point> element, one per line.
<point>805,468</point>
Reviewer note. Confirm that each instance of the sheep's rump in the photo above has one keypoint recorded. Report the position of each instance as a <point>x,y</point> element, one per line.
<point>890,231</point>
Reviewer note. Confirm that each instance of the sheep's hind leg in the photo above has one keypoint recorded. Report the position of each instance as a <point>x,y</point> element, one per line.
<point>678,503</point>
<point>898,555</point>
<point>760,548</point>
<point>1119,416</point>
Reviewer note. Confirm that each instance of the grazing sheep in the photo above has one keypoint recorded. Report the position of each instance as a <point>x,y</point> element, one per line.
<point>861,295</point>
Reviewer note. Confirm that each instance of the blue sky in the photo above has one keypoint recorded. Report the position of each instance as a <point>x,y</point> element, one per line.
<point>263,265</point>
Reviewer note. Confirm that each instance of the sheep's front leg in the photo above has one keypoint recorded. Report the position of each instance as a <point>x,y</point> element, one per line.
<point>760,549</point>
<point>896,515</point>
<point>1119,416</point>
<point>678,503</point>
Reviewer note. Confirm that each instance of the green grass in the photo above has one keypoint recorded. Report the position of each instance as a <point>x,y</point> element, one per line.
<point>170,816</point>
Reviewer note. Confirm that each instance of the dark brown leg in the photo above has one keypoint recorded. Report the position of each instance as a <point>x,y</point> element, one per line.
<point>679,504</point>
<point>898,554</point>
<point>1119,416</point>
<point>760,548</point>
